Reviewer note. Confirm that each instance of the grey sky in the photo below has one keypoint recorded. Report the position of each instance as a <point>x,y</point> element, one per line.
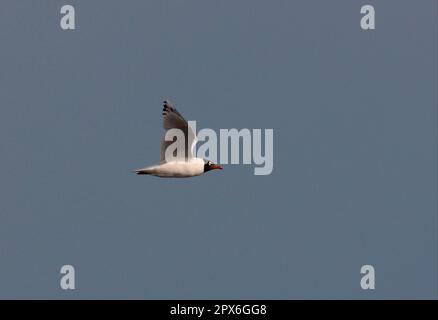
<point>355,149</point>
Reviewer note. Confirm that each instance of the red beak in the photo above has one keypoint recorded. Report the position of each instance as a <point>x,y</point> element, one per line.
<point>216,166</point>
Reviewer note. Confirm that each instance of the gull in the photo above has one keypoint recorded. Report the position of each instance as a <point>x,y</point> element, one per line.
<point>186,167</point>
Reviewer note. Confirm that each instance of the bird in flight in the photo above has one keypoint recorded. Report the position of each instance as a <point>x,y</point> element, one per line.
<point>189,166</point>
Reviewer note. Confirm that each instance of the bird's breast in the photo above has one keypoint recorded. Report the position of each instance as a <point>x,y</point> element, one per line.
<point>180,169</point>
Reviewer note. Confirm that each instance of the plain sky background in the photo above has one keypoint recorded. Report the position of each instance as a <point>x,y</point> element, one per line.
<point>354,115</point>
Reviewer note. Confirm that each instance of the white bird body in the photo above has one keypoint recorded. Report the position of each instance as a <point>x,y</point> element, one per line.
<point>189,166</point>
<point>176,169</point>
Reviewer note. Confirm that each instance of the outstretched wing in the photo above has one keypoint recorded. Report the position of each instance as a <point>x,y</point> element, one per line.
<point>172,119</point>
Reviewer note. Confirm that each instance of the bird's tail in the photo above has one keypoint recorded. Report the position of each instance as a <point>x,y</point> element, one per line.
<point>143,171</point>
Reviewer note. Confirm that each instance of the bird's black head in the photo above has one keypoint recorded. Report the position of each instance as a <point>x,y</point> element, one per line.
<point>208,165</point>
